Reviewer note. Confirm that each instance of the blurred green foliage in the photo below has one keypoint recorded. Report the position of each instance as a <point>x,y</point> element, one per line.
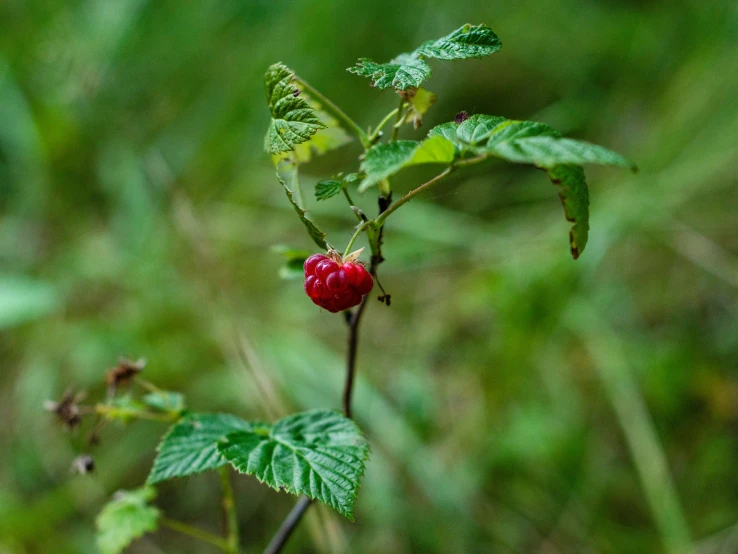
<point>515,400</point>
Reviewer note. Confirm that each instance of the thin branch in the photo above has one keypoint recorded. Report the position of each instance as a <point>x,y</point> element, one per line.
<point>229,509</point>
<point>384,122</point>
<point>472,161</point>
<point>194,532</point>
<point>359,215</point>
<point>398,120</point>
<point>353,345</point>
<point>383,217</point>
<point>359,230</point>
<point>288,526</point>
<point>114,411</point>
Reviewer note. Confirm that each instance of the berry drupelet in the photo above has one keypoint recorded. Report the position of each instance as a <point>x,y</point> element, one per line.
<point>336,283</point>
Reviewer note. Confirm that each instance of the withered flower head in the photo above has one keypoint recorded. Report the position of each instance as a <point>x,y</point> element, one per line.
<point>461,117</point>
<point>67,409</point>
<point>124,372</point>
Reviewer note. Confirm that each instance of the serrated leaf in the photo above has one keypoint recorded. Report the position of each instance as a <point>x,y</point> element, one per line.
<point>411,70</point>
<point>433,150</point>
<point>469,41</point>
<point>511,130</point>
<point>402,72</point>
<point>445,130</point>
<point>315,233</point>
<point>319,453</point>
<point>550,151</point>
<point>574,197</point>
<point>294,121</point>
<point>191,445</point>
<point>125,518</point>
<point>386,159</point>
<point>329,138</point>
<point>328,189</point>
<point>477,128</point>
<point>351,178</point>
<point>420,101</point>
<point>165,401</point>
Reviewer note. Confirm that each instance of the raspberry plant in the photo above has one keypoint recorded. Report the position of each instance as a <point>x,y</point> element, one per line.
<point>321,454</point>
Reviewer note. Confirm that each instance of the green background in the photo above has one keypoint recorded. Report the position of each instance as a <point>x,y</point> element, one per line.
<point>515,400</point>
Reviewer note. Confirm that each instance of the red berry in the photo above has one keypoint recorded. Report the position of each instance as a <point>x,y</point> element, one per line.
<point>310,285</point>
<point>337,281</point>
<point>311,262</point>
<point>325,268</point>
<point>335,287</point>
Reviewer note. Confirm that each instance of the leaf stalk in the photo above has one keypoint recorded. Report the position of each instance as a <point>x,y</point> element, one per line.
<point>334,110</point>
<point>194,532</point>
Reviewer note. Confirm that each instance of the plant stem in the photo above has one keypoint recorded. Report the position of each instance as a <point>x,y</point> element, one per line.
<point>376,131</point>
<point>398,119</point>
<point>335,111</point>
<point>288,526</point>
<point>194,532</point>
<point>472,161</point>
<point>293,518</point>
<point>356,235</point>
<point>296,188</point>
<point>353,345</point>
<point>355,319</point>
<point>359,216</point>
<point>383,217</point>
<point>113,411</point>
<point>229,509</point>
<point>151,387</point>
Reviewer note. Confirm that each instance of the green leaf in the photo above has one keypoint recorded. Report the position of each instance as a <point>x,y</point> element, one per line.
<point>575,199</point>
<point>540,145</point>
<point>445,130</point>
<point>126,517</point>
<point>420,101</point>
<point>166,401</point>
<point>477,128</point>
<point>433,150</point>
<point>471,132</point>
<point>124,408</point>
<point>191,445</point>
<point>403,72</point>
<point>469,41</point>
<point>294,121</point>
<point>316,234</point>
<point>386,159</point>
<point>550,151</point>
<point>328,189</point>
<point>411,69</point>
<point>319,453</point>
<point>294,260</point>
<point>511,130</point>
<point>329,138</point>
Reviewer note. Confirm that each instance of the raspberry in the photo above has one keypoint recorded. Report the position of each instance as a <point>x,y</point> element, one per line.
<point>336,283</point>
